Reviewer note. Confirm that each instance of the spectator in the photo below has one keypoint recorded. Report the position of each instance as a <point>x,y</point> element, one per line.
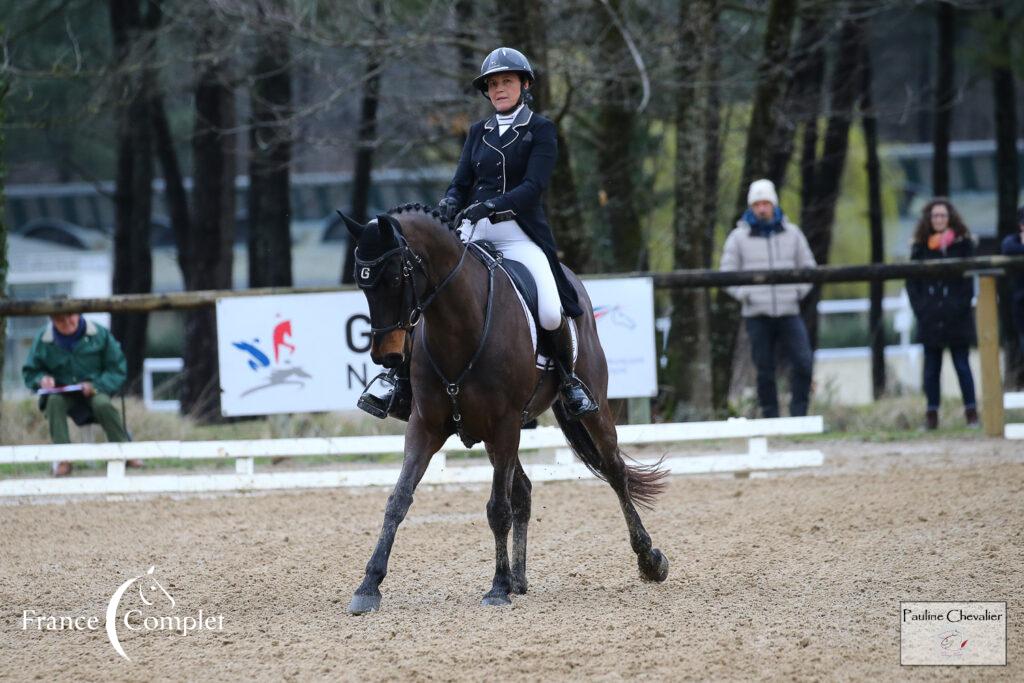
<point>74,351</point>
<point>1013,245</point>
<point>943,306</point>
<point>764,238</point>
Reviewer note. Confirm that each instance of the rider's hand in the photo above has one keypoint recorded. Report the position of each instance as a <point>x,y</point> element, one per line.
<point>88,389</point>
<point>447,207</point>
<point>47,383</point>
<point>478,211</point>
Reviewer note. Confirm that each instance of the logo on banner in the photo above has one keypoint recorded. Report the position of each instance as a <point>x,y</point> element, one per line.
<point>280,371</point>
<point>615,315</point>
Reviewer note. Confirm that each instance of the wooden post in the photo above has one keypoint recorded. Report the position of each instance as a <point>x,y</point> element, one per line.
<point>639,410</point>
<point>992,417</point>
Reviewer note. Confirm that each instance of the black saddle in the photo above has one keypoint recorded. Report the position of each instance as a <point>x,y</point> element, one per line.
<point>517,272</point>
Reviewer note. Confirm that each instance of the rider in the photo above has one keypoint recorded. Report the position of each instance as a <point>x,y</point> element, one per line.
<point>504,169</point>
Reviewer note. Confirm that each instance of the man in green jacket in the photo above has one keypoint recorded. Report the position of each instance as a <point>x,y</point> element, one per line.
<point>72,350</point>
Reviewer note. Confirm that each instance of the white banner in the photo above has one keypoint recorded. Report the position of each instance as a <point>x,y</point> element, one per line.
<point>311,352</point>
<point>624,310</point>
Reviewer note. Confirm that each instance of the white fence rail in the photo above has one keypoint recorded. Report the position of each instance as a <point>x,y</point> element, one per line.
<point>1014,401</point>
<point>548,440</point>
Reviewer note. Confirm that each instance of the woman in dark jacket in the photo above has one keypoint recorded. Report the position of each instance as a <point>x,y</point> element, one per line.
<point>497,192</point>
<point>943,305</point>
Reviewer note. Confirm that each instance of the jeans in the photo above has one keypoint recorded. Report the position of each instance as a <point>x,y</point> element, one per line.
<point>788,331</point>
<point>933,368</point>
<point>103,410</point>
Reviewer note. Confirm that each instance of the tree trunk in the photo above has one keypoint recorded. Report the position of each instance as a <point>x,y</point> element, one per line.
<point>756,164</point>
<point>1004,101</point>
<point>713,137</point>
<point>522,25</point>
<point>819,213</point>
<point>213,220</point>
<point>876,320</point>
<point>4,86</point>
<point>689,368</point>
<point>616,119</point>
<point>133,195</point>
<point>944,94</point>
<point>365,146</point>
<point>270,152</point>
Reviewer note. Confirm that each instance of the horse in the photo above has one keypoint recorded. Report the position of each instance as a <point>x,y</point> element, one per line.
<point>416,272</point>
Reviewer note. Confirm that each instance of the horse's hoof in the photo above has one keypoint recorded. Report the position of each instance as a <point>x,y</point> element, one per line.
<point>655,568</point>
<point>519,587</point>
<point>493,599</point>
<point>361,604</point>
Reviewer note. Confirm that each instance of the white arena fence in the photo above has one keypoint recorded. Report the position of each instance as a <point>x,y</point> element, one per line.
<point>1014,401</point>
<point>561,464</point>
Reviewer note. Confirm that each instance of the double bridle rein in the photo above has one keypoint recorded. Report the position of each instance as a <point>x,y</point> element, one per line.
<point>368,276</point>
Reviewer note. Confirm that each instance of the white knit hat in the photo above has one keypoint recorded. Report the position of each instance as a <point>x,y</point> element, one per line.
<point>762,190</point>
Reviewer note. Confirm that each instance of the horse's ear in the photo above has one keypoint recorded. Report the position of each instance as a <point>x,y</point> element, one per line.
<point>388,227</point>
<point>354,228</point>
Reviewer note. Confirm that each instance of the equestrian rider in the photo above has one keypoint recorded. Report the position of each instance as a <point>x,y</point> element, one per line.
<point>504,169</point>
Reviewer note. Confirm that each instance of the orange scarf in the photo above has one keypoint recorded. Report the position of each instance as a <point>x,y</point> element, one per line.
<point>939,241</point>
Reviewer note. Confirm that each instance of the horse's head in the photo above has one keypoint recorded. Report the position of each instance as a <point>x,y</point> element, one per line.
<point>148,585</point>
<point>383,271</point>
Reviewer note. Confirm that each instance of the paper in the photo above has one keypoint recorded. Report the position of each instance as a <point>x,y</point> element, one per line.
<point>66,389</point>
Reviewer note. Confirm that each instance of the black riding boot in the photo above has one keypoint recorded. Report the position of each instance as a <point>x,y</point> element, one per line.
<point>389,393</point>
<point>576,397</point>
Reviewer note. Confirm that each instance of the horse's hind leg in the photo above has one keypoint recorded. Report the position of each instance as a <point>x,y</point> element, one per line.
<point>521,492</point>
<point>601,428</point>
<point>504,453</point>
<point>420,446</point>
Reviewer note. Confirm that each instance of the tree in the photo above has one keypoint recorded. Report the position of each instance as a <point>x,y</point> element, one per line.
<point>270,154</point>
<point>366,142</point>
<point>134,42</point>
<point>869,122</point>
<point>616,120</point>
<point>690,336</point>
<point>823,178</point>
<point>944,97</point>
<point>211,237</point>
<point>1004,102</point>
<point>4,87</point>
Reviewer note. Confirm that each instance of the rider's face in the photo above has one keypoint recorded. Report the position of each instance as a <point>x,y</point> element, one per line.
<point>503,90</point>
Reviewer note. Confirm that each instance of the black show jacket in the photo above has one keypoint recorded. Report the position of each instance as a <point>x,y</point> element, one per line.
<point>513,171</point>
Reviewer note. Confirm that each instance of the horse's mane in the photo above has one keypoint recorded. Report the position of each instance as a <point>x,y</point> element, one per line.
<point>427,211</point>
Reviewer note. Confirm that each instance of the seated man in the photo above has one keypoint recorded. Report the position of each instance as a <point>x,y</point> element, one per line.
<point>74,351</point>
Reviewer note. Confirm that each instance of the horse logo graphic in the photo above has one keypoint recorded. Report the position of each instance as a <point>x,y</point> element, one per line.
<point>615,314</point>
<point>279,372</point>
<point>149,586</point>
<point>952,643</point>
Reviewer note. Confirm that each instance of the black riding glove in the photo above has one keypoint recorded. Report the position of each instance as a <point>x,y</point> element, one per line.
<point>447,207</point>
<point>479,211</point>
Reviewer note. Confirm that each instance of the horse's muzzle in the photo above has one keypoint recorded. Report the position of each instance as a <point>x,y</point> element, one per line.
<point>389,350</point>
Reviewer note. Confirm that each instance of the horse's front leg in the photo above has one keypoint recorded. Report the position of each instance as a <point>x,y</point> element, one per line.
<point>420,446</point>
<point>504,451</point>
<point>521,494</point>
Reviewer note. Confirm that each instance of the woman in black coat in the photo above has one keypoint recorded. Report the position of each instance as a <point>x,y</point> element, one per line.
<point>943,305</point>
<point>497,193</point>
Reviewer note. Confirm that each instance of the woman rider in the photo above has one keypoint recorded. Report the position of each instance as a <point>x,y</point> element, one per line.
<point>504,169</point>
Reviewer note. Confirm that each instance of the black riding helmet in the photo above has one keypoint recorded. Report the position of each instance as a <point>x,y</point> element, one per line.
<point>503,59</point>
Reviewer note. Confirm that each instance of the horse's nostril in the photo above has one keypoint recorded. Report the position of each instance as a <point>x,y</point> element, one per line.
<point>392,360</point>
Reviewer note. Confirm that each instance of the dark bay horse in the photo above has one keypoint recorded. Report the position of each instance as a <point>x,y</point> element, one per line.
<point>473,372</point>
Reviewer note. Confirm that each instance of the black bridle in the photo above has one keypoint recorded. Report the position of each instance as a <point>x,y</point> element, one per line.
<point>369,274</point>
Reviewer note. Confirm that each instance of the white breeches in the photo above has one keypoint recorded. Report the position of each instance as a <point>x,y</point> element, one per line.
<point>516,245</point>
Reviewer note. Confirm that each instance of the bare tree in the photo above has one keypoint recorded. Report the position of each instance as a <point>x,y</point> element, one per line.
<point>211,237</point>
<point>869,121</point>
<point>134,47</point>
<point>944,97</point>
<point>270,153</point>
<point>1004,103</point>
<point>4,88</point>
<point>690,336</point>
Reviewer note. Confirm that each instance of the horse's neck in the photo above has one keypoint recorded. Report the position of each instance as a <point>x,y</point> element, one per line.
<point>458,310</point>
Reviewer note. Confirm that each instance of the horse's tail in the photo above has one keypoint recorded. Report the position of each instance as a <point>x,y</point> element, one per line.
<point>643,482</point>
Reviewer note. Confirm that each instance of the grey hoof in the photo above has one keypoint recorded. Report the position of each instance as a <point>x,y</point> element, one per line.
<point>361,604</point>
<point>655,568</point>
<point>496,600</point>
